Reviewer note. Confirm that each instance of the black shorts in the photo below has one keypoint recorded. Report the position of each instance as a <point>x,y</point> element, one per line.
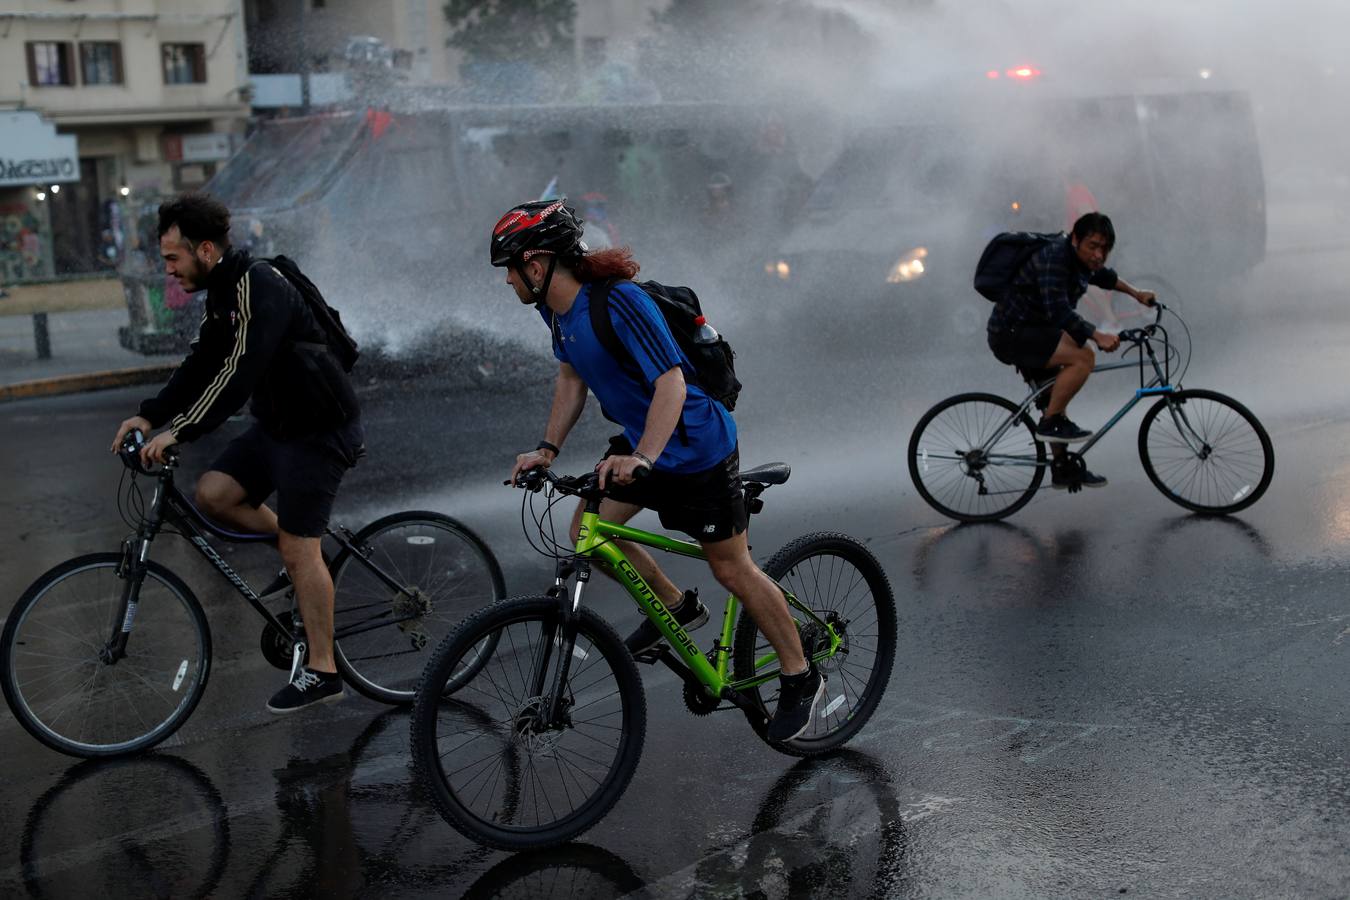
<point>709,506</point>
<point>1029,347</point>
<point>305,473</point>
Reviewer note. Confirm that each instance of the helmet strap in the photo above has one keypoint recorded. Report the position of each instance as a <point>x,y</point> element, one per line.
<point>540,290</point>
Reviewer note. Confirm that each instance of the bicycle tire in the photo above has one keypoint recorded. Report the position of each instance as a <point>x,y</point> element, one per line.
<point>800,567</point>
<point>1228,479</point>
<point>19,654</point>
<point>385,664</point>
<point>952,442</point>
<point>506,700</point>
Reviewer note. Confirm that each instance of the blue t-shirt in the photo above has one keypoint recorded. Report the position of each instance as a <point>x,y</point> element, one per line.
<point>709,433</point>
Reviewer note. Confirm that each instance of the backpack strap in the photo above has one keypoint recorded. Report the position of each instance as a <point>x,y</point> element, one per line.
<point>603,326</point>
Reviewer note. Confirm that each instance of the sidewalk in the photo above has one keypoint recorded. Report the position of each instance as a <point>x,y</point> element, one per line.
<point>85,354</point>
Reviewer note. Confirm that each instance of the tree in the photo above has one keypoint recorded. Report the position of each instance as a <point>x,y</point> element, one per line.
<point>495,33</point>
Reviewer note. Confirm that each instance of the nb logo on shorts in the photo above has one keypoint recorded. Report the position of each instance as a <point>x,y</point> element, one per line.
<point>709,529</point>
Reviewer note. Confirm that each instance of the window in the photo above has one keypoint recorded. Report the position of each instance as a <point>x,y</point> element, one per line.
<point>184,63</point>
<point>101,62</point>
<point>50,63</point>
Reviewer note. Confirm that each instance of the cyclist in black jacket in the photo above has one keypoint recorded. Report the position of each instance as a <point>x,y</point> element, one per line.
<point>259,338</point>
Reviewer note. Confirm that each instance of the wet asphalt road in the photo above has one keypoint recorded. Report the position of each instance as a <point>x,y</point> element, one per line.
<point>1101,696</point>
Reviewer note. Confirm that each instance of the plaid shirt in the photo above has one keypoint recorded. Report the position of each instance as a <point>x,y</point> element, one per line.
<point>1046,292</point>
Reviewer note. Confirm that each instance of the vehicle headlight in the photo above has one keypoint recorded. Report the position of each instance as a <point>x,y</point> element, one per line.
<point>909,267</point>
<point>779,269</point>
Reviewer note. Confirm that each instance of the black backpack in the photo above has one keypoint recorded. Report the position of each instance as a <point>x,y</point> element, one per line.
<point>338,342</point>
<point>1004,257</point>
<point>714,366</point>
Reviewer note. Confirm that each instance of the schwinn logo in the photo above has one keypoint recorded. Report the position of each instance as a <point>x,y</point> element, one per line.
<point>224,567</point>
<point>665,615</point>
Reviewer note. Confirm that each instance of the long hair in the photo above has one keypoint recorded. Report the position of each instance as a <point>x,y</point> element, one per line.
<point>612,262</point>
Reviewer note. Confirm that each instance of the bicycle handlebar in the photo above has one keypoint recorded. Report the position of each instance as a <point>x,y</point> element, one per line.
<point>1139,335</point>
<point>130,453</point>
<point>586,486</point>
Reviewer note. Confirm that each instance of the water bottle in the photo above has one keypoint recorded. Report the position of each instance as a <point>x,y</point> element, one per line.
<point>704,333</point>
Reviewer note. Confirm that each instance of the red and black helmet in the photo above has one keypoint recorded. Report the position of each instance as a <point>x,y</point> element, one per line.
<point>544,226</point>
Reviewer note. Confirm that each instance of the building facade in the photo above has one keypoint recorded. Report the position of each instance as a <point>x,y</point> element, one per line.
<point>407,40</point>
<point>156,95</point>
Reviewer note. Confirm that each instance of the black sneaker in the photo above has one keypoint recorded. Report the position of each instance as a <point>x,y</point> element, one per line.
<point>1059,430</point>
<point>309,687</point>
<point>690,614</point>
<point>1061,478</point>
<point>797,699</point>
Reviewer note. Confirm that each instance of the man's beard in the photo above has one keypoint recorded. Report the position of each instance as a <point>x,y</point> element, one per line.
<point>192,279</point>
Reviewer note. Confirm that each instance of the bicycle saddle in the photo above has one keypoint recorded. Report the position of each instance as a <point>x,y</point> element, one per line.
<point>769,473</point>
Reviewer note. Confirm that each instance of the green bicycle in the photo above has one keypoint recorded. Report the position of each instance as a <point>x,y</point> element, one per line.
<point>532,743</point>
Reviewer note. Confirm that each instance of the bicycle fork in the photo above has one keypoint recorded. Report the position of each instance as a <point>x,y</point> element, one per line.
<point>1188,433</point>
<point>132,569</point>
<point>561,642</point>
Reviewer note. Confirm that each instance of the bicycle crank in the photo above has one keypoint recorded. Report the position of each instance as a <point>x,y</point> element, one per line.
<point>1072,466</point>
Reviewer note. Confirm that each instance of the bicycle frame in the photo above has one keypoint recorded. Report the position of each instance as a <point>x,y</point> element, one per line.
<point>168,504</point>
<point>1158,385</point>
<point>595,540</point>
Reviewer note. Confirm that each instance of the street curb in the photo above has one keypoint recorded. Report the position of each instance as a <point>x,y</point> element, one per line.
<point>92,381</point>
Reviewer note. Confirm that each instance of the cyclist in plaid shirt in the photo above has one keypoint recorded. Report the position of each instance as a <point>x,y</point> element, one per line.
<point>1036,327</point>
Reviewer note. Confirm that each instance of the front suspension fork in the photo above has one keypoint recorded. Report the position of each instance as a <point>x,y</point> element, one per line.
<point>563,640</point>
<point>132,569</point>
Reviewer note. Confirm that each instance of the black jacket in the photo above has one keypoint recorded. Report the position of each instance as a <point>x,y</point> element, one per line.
<point>247,345</point>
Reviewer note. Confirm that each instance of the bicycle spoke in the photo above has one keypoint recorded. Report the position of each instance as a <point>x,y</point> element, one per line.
<point>504,761</point>
<point>445,576</point>
<point>1206,453</point>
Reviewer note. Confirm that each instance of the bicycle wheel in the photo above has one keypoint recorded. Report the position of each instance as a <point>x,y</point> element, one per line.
<point>495,770</point>
<point>839,580</point>
<point>54,676</point>
<point>958,475</point>
<point>450,574</point>
<point>1209,454</point>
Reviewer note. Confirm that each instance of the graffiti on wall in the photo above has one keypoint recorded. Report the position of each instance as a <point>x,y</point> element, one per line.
<point>23,252</point>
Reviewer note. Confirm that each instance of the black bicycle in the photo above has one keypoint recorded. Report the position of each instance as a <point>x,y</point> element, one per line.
<point>108,654</point>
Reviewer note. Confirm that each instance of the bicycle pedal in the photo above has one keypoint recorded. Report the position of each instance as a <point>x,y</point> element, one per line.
<point>650,657</point>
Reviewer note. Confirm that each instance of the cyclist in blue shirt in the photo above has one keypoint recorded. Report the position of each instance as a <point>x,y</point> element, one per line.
<point>684,438</point>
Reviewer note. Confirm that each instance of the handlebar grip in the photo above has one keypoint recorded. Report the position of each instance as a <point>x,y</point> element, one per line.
<point>530,479</point>
<point>641,473</point>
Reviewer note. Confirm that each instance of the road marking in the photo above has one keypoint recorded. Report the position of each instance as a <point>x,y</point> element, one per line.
<point>960,731</point>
